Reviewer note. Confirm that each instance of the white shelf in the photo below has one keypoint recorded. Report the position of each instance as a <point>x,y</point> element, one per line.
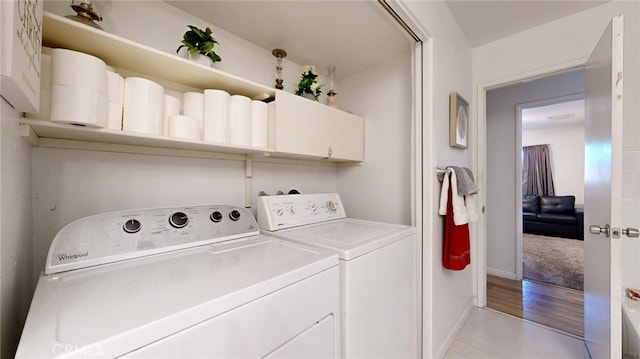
<point>119,52</point>
<point>140,60</point>
<point>51,130</point>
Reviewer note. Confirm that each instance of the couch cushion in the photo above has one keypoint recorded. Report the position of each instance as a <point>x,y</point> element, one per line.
<point>557,218</point>
<point>530,203</point>
<point>557,204</point>
<point>528,216</point>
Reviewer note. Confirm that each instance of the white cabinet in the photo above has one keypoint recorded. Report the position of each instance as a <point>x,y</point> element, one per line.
<point>304,128</point>
<point>299,128</point>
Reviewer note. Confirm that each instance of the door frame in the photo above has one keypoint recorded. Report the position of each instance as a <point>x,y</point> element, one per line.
<point>422,128</point>
<point>480,160</point>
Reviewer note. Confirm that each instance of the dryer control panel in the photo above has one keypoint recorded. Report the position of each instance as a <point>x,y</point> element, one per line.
<point>116,236</point>
<point>286,211</point>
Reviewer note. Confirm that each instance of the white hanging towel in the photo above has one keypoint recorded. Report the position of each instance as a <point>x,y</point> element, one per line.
<point>464,207</point>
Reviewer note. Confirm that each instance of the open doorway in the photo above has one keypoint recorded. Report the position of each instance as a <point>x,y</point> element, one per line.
<point>532,299</point>
<point>552,167</point>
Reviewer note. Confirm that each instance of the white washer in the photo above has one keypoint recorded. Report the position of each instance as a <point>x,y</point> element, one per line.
<point>182,282</point>
<point>378,270</point>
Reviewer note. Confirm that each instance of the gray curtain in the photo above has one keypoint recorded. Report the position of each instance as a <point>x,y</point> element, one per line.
<point>537,178</point>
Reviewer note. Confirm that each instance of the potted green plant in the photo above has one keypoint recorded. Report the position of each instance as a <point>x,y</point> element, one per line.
<point>309,85</point>
<point>199,41</point>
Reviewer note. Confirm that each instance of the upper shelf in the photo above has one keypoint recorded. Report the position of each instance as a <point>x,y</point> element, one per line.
<point>144,60</point>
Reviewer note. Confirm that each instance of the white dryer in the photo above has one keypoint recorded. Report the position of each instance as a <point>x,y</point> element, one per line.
<point>378,270</point>
<point>182,282</point>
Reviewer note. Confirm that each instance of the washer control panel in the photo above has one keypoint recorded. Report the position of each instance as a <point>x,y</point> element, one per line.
<point>286,211</point>
<point>117,236</point>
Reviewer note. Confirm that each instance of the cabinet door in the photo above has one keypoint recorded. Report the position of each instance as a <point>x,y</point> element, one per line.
<point>299,126</point>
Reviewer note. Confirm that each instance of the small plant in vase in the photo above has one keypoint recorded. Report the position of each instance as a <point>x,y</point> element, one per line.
<point>309,85</point>
<point>199,41</point>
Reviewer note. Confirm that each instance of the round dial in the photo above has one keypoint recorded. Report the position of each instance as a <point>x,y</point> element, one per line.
<point>178,220</point>
<point>279,212</point>
<point>216,216</point>
<point>331,205</point>
<point>234,215</point>
<point>132,226</point>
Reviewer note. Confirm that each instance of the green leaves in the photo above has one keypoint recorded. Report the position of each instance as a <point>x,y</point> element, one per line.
<point>309,83</point>
<point>198,41</point>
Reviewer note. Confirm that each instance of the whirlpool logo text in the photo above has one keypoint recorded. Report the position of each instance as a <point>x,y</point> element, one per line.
<point>67,257</point>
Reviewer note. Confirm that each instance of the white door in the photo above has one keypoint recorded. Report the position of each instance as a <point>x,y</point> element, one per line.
<point>603,195</point>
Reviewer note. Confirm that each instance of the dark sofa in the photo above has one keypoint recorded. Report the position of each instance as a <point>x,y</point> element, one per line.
<point>552,216</point>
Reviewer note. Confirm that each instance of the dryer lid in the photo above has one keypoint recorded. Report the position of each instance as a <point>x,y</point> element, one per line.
<point>350,238</point>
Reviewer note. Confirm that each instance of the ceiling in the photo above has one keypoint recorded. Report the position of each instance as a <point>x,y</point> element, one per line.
<point>356,34</point>
<point>560,114</point>
<point>486,21</point>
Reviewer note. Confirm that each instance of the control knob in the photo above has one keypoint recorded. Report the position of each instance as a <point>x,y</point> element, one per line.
<point>234,215</point>
<point>132,226</point>
<point>178,220</point>
<point>216,216</point>
<point>331,205</point>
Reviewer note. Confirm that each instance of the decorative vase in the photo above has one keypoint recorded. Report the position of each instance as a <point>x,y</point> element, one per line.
<point>197,58</point>
<point>200,59</point>
<point>331,95</point>
<point>308,95</point>
<point>331,100</point>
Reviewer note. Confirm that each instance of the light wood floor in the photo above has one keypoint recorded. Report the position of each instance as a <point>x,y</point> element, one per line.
<point>493,335</point>
<point>549,305</point>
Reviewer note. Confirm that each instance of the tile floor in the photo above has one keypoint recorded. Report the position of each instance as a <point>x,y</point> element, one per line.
<point>490,334</point>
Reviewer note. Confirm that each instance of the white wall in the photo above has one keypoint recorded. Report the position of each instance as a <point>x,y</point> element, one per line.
<point>566,145</point>
<point>503,180</point>
<point>15,230</point>
<point>448,295</point>
<point>561,43</point>
<point>382,94</point>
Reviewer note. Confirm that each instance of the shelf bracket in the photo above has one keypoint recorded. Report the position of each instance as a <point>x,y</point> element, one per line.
<point>248,176</point>
<point>28,134</point>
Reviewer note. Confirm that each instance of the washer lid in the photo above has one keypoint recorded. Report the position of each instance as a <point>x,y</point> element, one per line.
<point>116,308</point>
<point>351,238</point>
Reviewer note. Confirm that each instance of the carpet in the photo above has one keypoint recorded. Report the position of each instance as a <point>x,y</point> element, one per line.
<point>553,260</point>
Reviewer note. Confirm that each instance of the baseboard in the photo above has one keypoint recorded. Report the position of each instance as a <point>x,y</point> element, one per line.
<point>501,273</point>
<point>453,333</point>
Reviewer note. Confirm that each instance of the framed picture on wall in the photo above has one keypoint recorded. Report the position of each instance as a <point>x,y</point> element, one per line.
<point>458,121</point>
